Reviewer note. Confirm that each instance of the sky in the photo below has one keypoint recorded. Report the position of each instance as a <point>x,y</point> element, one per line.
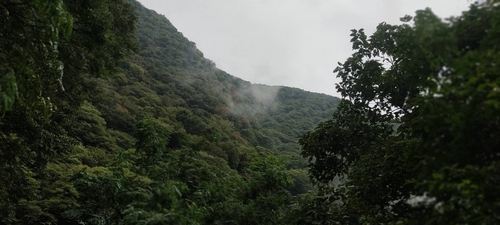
<point>294,43</point>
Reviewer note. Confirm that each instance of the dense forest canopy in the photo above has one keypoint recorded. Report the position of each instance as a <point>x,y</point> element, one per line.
<point>109,115</point>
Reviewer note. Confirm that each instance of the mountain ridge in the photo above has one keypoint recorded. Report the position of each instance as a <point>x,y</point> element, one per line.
<point>233,90</point>
<point>160,136</point>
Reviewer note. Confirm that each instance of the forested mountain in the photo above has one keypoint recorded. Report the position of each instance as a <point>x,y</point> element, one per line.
<point>111,118</point>
<point>109,115</point>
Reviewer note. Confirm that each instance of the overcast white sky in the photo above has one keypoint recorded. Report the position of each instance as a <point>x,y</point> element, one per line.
<point>293,43</point>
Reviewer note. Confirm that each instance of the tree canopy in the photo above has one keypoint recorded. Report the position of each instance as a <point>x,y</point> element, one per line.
<point>415,140</point>
<point>109,115</point>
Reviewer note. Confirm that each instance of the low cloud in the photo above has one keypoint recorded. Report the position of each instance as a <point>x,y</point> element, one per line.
<point>253,99</point>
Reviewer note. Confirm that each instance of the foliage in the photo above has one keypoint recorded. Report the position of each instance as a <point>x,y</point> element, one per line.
<point>31,69</point>
<point>414,140</point>
<point>111,116</point>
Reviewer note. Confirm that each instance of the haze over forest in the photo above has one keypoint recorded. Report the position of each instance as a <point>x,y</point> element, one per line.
<point>110,115</point>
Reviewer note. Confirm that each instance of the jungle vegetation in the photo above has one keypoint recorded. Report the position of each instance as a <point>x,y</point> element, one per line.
<point>109,115</point>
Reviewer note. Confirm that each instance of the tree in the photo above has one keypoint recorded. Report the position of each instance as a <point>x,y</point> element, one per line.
<point>31,33</point>
<point>51,52</point>
<point>414,140</point>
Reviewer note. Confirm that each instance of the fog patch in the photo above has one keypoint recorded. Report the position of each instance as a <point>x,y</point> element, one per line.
<point>250,100</point>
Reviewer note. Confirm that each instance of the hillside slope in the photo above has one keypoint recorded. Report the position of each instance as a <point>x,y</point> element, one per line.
<point>190,80</point>
<point>166,138</point>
